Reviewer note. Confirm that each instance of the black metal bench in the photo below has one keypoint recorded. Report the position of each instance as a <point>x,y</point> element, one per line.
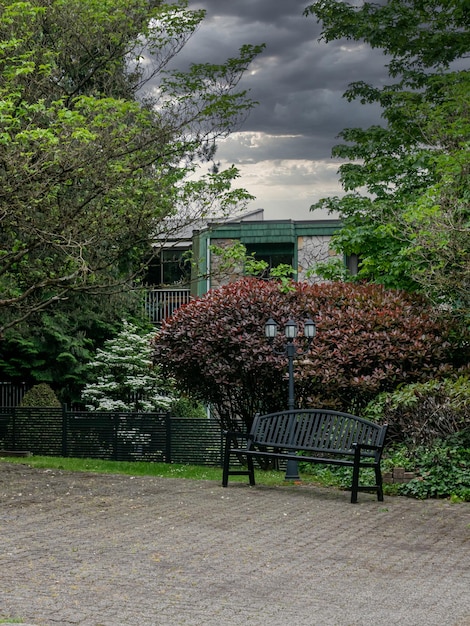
<point>320,435</point>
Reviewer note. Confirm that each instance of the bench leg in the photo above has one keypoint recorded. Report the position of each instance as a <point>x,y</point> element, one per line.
<point>355,476</point>
<point>251,470</point>
<point>378,482</point>
<point>226,465</point>
<point>355,482</point>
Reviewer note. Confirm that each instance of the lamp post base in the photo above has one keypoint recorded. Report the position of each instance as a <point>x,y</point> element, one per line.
<point>292,471</point>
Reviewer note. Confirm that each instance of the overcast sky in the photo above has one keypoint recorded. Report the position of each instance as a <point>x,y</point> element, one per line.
<point>283,149</point>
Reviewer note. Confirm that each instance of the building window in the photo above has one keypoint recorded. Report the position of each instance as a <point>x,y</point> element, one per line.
<point>273,254</point>
<point>171,267</point>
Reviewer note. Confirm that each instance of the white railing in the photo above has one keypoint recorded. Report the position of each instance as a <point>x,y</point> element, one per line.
<point>161,303</point>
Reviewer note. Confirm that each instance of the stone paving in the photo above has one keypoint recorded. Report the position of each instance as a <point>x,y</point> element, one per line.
<point>108,550</point>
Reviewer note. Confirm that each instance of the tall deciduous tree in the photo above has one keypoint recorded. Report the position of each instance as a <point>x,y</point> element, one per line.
<point>92,165</point>
<point>411,225</point>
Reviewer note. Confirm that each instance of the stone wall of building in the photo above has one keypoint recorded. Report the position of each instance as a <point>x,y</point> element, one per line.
<point>312,250</point>
<point>220,274</point>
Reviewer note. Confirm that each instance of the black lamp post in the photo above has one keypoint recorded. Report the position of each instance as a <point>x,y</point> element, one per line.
<point>291,351</point>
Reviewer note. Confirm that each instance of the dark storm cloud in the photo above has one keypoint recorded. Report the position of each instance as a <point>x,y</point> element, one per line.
<point>297,81</point>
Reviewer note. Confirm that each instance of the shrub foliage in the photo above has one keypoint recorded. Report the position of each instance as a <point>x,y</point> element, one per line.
<point>369,340</point>
<point>422,413</point>
<point>40,396</point>
<point>443,470</point>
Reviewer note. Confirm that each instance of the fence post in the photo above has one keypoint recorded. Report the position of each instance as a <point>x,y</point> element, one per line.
<point>168,436</point>
<point>116,422</point>
<point>222,448</point>
<point>13,429</point>
<point>64,431</point>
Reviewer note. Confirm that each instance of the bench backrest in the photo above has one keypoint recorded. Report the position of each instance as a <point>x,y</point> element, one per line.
<point>315,430</point>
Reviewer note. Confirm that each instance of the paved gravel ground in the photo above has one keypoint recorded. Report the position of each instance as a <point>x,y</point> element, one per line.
<point>108,550</point>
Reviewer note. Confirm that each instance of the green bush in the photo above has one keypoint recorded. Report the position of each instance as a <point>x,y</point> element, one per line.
<point>422,413</point>
<point>186,407</point>
<point>40,396</point>
<point>429,426</point>
<point>442,471</point>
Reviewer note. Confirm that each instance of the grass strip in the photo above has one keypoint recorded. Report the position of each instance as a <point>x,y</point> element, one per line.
<point>165,470</point>
<point>137,468</point>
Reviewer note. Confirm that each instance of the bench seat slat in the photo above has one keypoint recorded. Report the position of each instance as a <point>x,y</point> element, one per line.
<point>306,459</point>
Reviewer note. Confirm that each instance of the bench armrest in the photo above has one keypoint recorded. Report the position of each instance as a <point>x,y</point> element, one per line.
<point>366,446</point>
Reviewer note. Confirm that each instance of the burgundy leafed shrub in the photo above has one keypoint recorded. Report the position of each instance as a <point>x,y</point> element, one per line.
<point>368,340</point>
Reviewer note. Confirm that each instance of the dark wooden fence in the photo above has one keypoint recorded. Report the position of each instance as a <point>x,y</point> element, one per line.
<point>108,435</point>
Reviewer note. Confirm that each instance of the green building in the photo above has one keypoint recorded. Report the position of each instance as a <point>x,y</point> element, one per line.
<point>174,279</point>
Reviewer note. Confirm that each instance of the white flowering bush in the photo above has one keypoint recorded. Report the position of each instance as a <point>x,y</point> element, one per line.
<point>123,377</point>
